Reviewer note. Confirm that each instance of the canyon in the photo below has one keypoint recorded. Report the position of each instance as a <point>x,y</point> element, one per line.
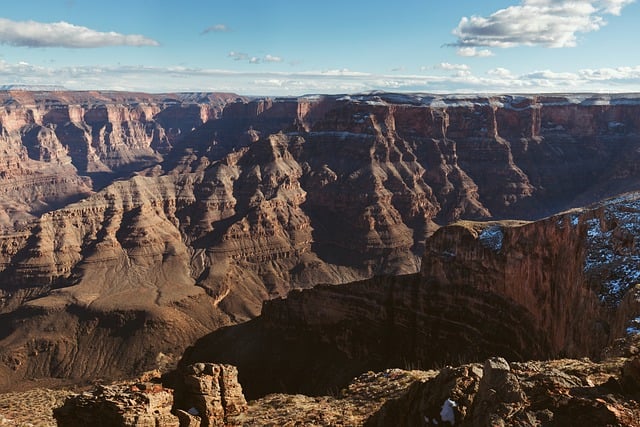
<point>137,225</point>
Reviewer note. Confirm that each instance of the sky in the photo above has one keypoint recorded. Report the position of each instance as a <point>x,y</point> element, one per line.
<point>287,47</point>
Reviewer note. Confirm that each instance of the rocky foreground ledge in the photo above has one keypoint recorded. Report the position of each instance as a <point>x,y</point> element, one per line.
<point>566,392</point>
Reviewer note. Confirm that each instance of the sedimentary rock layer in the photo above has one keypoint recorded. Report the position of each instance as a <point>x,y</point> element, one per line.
<point>58,146</point>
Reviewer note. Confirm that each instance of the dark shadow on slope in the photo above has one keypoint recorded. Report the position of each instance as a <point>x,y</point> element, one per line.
<point>315,341</point>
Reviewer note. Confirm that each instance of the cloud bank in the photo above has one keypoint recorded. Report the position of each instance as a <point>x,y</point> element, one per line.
<point>184,79</point>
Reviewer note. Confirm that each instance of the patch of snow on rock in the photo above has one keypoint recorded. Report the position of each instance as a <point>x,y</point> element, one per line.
<point>447,413</point>
<point>491,237</point>
<point>613,248</point>
<point>634,327</point>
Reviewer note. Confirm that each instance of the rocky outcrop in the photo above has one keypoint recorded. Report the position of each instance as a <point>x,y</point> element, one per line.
<point>213,393</point>
<point>580,266</point>
<point>567,392</point>
<point>142,405</point>
<point>553,392</point>
<point>560,392</point>
<point>210,396</point>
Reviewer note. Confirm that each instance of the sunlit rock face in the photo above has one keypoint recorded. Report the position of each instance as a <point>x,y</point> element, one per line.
<point>186,212</point>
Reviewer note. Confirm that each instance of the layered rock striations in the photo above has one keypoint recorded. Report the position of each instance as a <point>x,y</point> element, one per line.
<point>221,204</point>
<point>58,146</point>
<point>521,290</point>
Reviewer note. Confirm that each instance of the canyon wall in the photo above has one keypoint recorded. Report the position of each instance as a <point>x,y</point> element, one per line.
<point>195,208</point>
<point>59,146</point>
<point>521,290</point>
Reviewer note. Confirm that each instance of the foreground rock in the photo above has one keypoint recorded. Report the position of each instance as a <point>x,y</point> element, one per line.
<point>210,396</point>
<point>563,392</point>
<point>119,405</point>
<point>212,391</point>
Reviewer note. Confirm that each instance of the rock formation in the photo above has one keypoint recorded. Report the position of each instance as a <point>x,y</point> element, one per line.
<point>212,391</point>
<point>561,392</point>
<point>210,397</point>
<point>57,146</point>
<point>521,290</point>
<point>567,392</point>
<point>142,405</point>
<point>146,221</point>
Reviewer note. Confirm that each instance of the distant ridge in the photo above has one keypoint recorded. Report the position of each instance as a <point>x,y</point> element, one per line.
<point>32,87</point>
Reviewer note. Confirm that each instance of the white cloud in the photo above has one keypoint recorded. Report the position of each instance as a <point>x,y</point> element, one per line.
<point>612,74</point>
<point>272,58</point>
<point>472,51</point>
<point>500,72</point>
<point>238,56</point>
<point>241,56</point>
<point>218,28</point>
<point>344,72</point>
<point>449,66</point>
<point>614,6</point>
<point>548,23</point>
<point>63,34</point>
<point>550,75</point>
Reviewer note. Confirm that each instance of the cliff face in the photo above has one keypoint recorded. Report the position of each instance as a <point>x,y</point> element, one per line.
<point>57,147</point>
<point>219,205</point>
<point>521,290</point>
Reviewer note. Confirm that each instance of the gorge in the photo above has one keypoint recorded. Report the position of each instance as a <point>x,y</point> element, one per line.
<point>136,225</point>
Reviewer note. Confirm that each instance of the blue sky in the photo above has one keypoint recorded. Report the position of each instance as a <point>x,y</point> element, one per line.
<point>282,47</point>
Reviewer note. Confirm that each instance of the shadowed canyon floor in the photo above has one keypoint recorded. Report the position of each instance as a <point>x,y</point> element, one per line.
<point>135,225</point>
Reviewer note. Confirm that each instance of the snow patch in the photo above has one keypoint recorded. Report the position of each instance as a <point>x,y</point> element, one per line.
<point>311,97</point>
<point>594,228</point>
<point>613,248</point>
<point>447,413</point>
<point>491,237</point>
<point>575,219</point>
<point>634,327</point>
<point>615,125</point>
